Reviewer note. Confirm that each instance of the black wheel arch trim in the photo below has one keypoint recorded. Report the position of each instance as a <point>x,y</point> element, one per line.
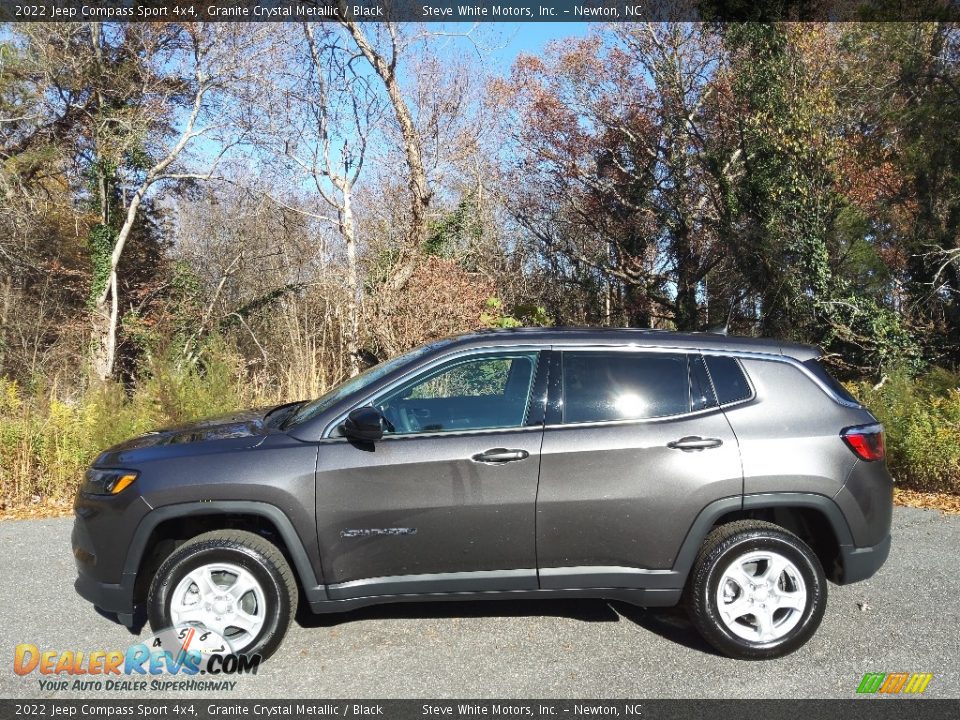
<point>708,517</point>
<point>294,545</point>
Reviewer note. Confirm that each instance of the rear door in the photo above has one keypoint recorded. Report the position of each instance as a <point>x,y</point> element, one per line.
<point>634,447</point>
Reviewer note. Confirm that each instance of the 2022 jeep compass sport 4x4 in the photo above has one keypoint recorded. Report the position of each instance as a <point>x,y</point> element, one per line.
<point>650,467</point>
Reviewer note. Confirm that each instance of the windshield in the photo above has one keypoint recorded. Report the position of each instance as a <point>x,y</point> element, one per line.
<point>313,408</point>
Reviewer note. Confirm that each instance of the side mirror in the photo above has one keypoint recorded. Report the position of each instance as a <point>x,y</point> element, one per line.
<point>365,424</point>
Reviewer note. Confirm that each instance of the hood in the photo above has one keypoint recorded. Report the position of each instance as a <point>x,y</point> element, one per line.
<point>245,423</point>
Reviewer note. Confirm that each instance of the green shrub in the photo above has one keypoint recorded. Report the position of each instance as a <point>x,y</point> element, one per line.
<point>922,420</point>
<point>49,435</point>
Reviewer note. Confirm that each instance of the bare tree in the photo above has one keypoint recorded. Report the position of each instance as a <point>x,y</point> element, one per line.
<point>383,58</point>
<point>625,150</point>
<point>316,122</point>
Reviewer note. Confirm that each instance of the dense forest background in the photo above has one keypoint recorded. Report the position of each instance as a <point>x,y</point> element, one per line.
<point>195,218</point>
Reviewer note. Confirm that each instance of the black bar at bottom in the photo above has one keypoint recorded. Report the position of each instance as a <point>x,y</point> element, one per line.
<point>872,707</point>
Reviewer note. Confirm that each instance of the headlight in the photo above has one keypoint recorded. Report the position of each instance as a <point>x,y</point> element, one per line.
<point>107,482</point>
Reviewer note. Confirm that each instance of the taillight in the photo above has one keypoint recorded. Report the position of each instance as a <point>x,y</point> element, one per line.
<point>866,441</point>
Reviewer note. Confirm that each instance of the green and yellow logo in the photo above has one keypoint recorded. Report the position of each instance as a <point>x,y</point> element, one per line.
<point>895,683</point>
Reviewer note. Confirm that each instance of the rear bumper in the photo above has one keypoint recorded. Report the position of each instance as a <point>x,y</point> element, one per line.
<point>859,563</point>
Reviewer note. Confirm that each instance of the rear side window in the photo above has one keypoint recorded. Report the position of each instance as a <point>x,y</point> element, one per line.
<point>729,381</point>
<point>817,368</point>
<point>600,386</point>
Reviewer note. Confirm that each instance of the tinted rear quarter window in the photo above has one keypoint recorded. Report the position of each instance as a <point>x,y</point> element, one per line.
<point>600,386</point>
<point>729,380</point>
<point>816,367</point>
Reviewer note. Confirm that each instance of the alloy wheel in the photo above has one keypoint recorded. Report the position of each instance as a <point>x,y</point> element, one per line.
<point>761,596</point>
<point>222,597</point>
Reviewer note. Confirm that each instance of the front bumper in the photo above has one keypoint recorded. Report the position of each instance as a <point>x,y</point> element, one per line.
<point>859,563</point>
<point>102,530</point>
<point>108,597</point>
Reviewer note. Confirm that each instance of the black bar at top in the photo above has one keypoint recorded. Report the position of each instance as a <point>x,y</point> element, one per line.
<point>478,10</point>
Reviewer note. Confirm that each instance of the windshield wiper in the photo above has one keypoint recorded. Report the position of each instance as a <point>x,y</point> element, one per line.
<point>290,408</point>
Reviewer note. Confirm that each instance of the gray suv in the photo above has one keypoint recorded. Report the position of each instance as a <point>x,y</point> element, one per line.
<point>732,474</point>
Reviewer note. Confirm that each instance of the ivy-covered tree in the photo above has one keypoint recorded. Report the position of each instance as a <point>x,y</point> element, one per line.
<point>126,102</point>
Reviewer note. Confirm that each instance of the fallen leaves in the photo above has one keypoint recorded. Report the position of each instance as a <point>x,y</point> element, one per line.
<point>36,511</point>
<point>945,502</point>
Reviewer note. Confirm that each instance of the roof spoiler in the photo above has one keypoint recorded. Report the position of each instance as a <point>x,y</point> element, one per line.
<point>800,351</point>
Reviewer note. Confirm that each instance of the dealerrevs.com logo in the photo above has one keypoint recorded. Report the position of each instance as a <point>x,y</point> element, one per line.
<point>171,660</point>
<point>894,683</point>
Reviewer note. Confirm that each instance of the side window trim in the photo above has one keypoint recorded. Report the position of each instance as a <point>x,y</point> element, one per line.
<point>696,365</point>
<point>713,388</point>
<point>742,355</point>
<point>554,410</point>
<point>539,394</point>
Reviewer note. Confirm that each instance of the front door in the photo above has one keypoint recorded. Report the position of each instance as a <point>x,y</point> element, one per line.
<point>446,501</point>
<point>635,449</point>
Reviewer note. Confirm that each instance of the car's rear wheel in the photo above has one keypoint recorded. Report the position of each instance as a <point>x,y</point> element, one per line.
<point>232,582</point>
<point>756,590</point>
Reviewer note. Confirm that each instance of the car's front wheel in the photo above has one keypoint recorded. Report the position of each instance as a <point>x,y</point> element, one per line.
<point>232,582</point>
<point>756,590</point>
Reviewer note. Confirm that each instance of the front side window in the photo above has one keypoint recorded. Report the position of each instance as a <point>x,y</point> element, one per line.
<point>476,393</point>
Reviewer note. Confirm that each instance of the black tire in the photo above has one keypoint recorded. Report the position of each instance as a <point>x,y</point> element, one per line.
<point>244,549</point>
<point>719,550</point>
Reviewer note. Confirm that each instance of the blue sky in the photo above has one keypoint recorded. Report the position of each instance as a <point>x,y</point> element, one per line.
<point>504,41</point>
<point>532,37</point>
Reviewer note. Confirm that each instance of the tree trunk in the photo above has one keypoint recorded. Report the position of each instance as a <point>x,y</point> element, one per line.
<point>105,320</point>
<point>687,313</point>
<point>637,307</point>
<point>348,230</point>
<point>5,303</point>
<point>419,188</point>
<point>106,312</point>
<point>103,324</point>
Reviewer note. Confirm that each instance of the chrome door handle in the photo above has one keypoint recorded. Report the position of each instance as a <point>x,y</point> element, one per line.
<point>500,455</point>
<point>694,442</point>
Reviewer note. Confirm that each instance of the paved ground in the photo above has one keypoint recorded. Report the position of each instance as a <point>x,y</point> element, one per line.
<point>904,619</point>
